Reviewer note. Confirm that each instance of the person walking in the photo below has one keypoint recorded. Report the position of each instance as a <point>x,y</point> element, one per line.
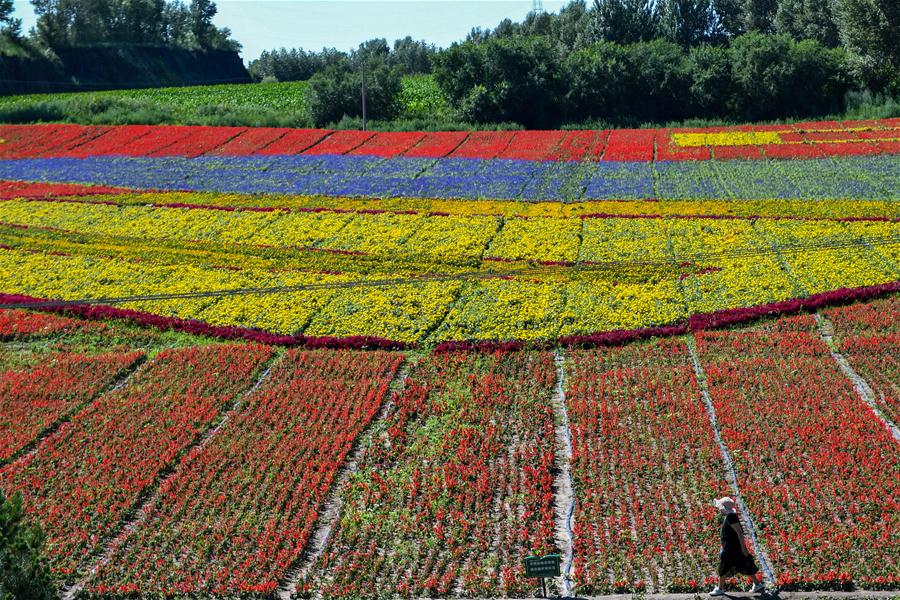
<point>735,557</point>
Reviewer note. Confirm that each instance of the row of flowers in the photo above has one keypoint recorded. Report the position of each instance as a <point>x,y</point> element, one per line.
<point>17,324</point>
<point>782,141</point>
<point>237,513</point>
<point>864,177</point>
<point>455,487</point>
<point>869,337</point>
<point>38,397</point>
<point>409,239</point>
<point>816,468</point>
<point>645,469</point>
<point>785,209</point>
<point>88,476</point>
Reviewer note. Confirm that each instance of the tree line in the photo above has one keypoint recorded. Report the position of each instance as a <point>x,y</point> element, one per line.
<point>72,23</point>
<point>625,62</point>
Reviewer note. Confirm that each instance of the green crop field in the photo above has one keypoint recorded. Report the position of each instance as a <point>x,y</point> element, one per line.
<point>254,104</point>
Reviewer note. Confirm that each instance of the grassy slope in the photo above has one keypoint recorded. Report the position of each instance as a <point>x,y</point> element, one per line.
<point>258,104</point>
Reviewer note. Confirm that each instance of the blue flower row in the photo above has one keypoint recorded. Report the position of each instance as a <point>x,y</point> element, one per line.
<point>832,178</point>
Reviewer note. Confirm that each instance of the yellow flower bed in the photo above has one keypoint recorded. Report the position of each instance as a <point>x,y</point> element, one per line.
<point>552,240</point>
<point>728,138</point>
<point>651,271</point>
<point>511,208</point>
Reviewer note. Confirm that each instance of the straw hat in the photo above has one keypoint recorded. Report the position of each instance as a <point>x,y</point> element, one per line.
<point>725,503</point>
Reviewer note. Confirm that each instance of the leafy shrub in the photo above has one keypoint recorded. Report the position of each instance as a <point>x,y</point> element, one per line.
<point>24,574</point>
<point>775,76</point>
<point>504,79</point>
<point>336,92</point>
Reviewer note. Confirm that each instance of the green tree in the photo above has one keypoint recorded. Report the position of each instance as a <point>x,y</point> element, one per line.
<point>413,56</point>
<point>202,13</point>
<point>758,15</point>
<point>731,16</point>
<point>597,82</point>
<point>776,76</point>
<point>712,85</point>
<point>10,26</point>
<point>176,24</point>
<point>868,30</point>
<point>335,92</point>
<point>658,81</point>
<point>24,574</point>
<point>689,22</point>
<point>504,79</point>
<point>625,21</point>
<point>807,20</point>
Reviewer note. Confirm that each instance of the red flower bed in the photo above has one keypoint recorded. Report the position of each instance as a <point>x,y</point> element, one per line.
<point>437,145</point>
<point>388,144</point>
<point>484,144</point>
<point>817,470</point>
<point>87,476</point>
<point>630,145</point>
<point>533,145</point>
<point>737,152</point>
<point>237,513</point>
<point>337,142</point>
<point>26,139</point>
<point>26,189</point>
<point>153,141</point>
<point>15,324</point>
<point>580,145</point>
<point>646,469</point>
<point>456,488</point>
<point>889,147</point>
<point>199,141</point>
<point>33,399</point>
<point>295,141</point>
<point>793,150</point>
<point>111,142</point>
<point>250,141</point>
<point>65,141</point>
<point>869,337</point>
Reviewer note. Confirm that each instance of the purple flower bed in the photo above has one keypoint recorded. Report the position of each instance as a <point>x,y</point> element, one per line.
<point>871,177</point>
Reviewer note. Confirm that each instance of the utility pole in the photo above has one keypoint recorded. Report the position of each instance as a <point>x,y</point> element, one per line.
<point>364,94</point>
<point>537,7</point>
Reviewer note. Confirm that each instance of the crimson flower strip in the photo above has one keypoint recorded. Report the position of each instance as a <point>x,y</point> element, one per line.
<point>456,487</point>
<point>816,469</point>
<point>869,337</point>
<point>27,189</point>
<point>801,140</point>
<point>484,144</point>
<point>86,477</point>
<point>33,399</point>
<point>437,144</point>
<point>237,512</point>
<point>15,324</point>
<point>645,468</point>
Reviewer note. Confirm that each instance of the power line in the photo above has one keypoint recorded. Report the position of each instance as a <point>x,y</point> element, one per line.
<point>470,275</point>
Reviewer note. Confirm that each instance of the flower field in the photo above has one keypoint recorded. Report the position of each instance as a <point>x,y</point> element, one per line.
<point>814,464</point>
<point>257,362</point>
<point>640,437</point>
<point>238,511</point>
<point>82,489</point>
<point>438,506</point>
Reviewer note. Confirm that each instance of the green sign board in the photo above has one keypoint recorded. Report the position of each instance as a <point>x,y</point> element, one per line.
<point>542,566</point>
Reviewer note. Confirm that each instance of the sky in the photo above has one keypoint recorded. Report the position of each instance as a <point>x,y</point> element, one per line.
<point>313,24</point>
